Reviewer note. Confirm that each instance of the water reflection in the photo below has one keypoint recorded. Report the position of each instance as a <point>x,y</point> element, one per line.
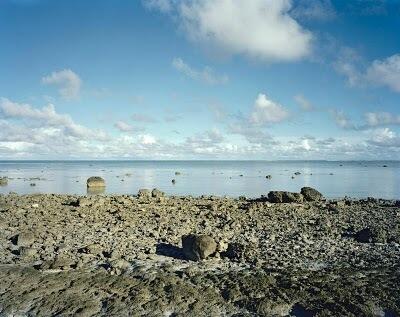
<point>95,190</point>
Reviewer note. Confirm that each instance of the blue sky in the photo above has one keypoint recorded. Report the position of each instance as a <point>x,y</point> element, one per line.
<point>199,79</point>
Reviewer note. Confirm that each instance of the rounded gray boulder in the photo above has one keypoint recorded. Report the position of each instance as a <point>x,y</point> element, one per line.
<point>311,194</point>
<point>198,247</point>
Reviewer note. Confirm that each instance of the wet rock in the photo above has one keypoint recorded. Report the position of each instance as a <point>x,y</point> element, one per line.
<point>3,181</point>
<point>95,181</point>
<point>284,197</point>
<point>311,194</point>
<point>177,173</point>
<point>297,173</point>
<point>173,181</point>
<point>144,193</point>
<point>371,235</point>
<point>25,239</point>
<point>198,247</point>
<point>268,176</point>
<point>155,193</point>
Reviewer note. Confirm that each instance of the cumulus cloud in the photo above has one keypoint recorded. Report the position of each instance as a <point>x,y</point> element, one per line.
<point>304,103</point>
<point>266,111</point>
<point>207,75</point>
<point>380,72</point>
<point>385,138</point>
<point>261,29</point>
<point>385,72</point>
<point>122,126</point>
<point>374,119</point>
<point>69,83</point>
<point>342,120</point>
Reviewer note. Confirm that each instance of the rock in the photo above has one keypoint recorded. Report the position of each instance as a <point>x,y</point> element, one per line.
<point>268,176</point>
<point>177,173</point>
<point>32,184</point>
<point>284,197</point>
<point>95,181</point>
<point>25,239</point>
<point>94,249</point>
<point>374,235</point>
<point>155,193</point>
<point>311,194</point>
<point>173,181</point>
<point>144,193</point>
<point>198,247</point>
<point>3,181</point>
<point>27,252</point>
<point>62,262</point>
<point>297,173</point>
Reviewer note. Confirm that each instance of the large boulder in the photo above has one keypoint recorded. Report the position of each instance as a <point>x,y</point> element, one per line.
<point>95,181</point>
<point>155,193</point>
<point>284,197</point>
<point>198,247</point>
<point>311,194</point>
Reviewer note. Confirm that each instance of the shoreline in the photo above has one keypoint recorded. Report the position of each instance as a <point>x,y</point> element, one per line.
<point>122,254</point>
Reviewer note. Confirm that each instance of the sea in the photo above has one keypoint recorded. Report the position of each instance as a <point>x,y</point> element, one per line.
<point>334,179</point>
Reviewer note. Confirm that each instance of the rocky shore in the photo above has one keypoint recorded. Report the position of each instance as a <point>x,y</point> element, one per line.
<point>285,254</point>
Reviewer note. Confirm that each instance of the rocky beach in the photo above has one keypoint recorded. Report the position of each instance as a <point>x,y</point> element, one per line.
<point>283,254</point>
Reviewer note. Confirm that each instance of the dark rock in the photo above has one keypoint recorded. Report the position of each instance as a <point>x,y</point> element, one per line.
<point>173,181</point>
<point>311,194</point>
<point>297,173</point>
<point>268,176</point>
<point>198,247</point>
<point>177,173</point>
<point>95,181</point>
<point>284,197</point>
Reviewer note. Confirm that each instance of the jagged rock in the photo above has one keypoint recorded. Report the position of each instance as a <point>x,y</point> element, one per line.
<point>284,197</point>
<point>95,181</point>
<point>198,247</point>
<point>311,194</point>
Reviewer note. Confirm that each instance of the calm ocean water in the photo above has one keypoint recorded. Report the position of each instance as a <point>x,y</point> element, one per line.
<point>333,179</point>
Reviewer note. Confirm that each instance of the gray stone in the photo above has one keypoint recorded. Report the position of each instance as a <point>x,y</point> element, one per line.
<point>311,194</point>
<point>198,247</point>
<point>155,193</point>
<point>95,181</point>
<point>25,239</point>
<point>284,197</point>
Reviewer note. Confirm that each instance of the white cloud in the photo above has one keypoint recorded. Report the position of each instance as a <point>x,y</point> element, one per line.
<point>123,126</point>
<point>68,82</point>
<point>266,111</point>
<point>385,72</point>
<point>147,139</point>
<point>207,75</point>
<point>380,72</point>
<point>374,119</point>
<point>304,103</point>
<point>320,10</point>
<point>161,5</point>
<point>385,138</point>
<point>342,120</point>
<point>261,29</point>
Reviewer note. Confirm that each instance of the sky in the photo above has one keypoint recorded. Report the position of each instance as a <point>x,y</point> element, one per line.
<point>200,79</point>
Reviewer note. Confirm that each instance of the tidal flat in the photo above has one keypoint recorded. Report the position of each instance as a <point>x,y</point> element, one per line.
<point>121,255</point>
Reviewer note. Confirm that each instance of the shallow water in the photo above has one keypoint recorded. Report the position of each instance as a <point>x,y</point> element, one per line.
<point>334,179</point>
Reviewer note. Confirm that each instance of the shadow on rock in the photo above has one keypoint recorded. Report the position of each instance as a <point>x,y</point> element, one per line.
<point>170,250</point>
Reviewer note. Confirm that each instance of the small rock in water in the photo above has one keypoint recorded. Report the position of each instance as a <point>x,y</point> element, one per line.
<point>173,181</point>
<point>33,184</point>
<point>284,197</point>
<point>198,247</point>
<point>297,173</point>
<point>268,176</point>
<point>311,194</point>
<point>177,173</point>
<point>3,181</point>
<point>95,181</point>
